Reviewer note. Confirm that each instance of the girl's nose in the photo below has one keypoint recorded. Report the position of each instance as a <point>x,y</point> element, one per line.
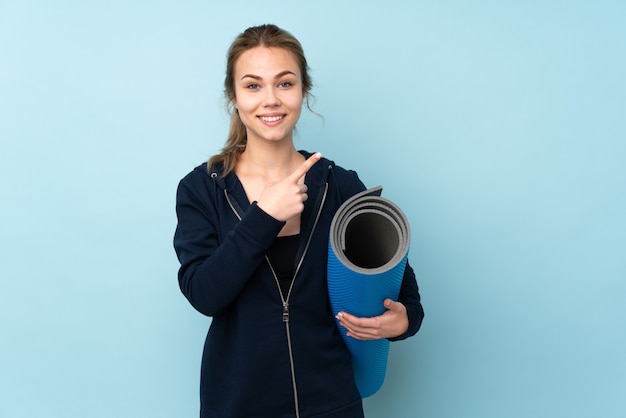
<point>271,98</point>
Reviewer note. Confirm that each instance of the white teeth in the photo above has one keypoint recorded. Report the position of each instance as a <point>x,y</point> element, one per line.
<point>271,118</point>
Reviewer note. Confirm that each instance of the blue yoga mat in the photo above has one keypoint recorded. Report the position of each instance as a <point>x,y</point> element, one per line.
<point>367,253</point>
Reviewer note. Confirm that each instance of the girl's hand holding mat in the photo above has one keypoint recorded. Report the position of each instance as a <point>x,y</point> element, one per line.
<point>392,323</point>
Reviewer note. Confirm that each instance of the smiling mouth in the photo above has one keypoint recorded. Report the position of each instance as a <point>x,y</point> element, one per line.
<point>271,118</point>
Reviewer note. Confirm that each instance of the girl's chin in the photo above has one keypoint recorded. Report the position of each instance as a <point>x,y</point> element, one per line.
<point>276,136</point>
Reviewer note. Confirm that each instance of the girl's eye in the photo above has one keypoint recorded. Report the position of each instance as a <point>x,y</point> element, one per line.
<point>285,84</point>
<point>253,86</point>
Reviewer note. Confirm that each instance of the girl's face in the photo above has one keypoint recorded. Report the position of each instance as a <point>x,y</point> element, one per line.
<point>268,93</point>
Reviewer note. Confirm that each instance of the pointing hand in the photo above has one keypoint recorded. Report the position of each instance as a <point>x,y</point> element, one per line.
<point>285,199</point>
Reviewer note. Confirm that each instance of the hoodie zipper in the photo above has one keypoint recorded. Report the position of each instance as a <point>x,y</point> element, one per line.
<point>285,300</point>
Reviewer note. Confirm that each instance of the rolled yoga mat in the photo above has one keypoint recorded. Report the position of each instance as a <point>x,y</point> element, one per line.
<point>367,253</point>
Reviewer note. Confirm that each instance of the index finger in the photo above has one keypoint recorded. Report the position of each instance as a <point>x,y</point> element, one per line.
<point>306,166</point>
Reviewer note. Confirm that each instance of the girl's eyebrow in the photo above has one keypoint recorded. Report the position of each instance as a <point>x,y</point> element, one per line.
<point>284,73</point>
<point>279,75</point>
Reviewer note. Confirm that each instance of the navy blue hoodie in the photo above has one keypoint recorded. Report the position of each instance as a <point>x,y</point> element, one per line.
<point>264,355</point>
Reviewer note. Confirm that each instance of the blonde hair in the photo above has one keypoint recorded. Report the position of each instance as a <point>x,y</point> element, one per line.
<point>270,36</point>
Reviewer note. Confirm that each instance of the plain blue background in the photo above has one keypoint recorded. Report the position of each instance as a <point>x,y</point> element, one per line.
<point>498,127</point>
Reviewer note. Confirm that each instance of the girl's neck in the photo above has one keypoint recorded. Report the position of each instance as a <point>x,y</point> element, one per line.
<point>272,162</point>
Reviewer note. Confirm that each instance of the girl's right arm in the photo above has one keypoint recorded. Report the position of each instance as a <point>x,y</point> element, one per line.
<point>214,270</point>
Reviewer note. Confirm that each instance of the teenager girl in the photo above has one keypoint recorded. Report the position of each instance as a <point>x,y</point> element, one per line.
<point>252,240</point>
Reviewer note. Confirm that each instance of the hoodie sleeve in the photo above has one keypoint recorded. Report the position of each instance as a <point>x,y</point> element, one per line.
<point>214,269</point>
<point>410,298</point>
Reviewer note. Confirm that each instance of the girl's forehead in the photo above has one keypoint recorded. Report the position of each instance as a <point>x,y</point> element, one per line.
<point>264,61</point>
